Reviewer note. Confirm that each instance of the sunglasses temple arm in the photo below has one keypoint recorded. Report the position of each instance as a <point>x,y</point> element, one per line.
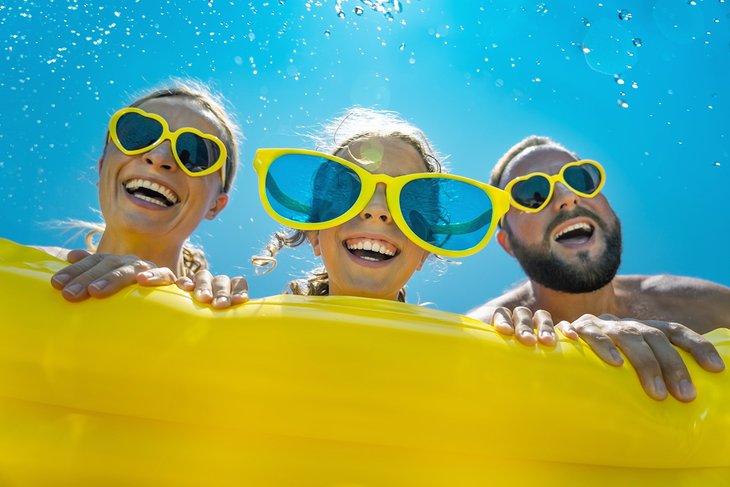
<point>285,200</point>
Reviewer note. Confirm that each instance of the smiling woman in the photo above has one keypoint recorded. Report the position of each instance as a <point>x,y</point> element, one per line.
<point>168,163</point>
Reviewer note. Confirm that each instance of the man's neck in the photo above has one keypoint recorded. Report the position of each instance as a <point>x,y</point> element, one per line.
<point>145,249</point>
<point>571,306</point>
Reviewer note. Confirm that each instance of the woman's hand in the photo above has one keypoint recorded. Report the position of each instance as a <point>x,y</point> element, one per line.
<point>648,346</point>
<point>219,291</point>
<point>97,275</point>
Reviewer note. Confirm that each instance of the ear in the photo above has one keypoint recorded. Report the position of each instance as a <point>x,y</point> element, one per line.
<point>313,238</point>
<point>504,242</point>
<point>424,256</point>
<point>219,203</point>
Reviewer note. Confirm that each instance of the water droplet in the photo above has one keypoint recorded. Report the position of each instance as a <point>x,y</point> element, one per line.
<point>586,50</point>
<point>536,80</point>
<point>636,41</point>
<point>412,60</point>
<point>402,46</point>
<point>586,22</point>
<point>634,85</point>
<point>358,10</point>
<point>623,103</point>
<point>282,2</point>
<point>692,2</point>
<point>619,79</point>
<point>327,34</point>
<point>716,163</point>
<point>624,14</point>
<point>542,8</point>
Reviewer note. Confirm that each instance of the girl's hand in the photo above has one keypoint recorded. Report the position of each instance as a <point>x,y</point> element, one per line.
<point>522,323</point>
<point>220,291</point>
<point>97,275</point>
<point>648,346</point>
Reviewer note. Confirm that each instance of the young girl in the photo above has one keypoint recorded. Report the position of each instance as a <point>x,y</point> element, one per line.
<point>373,210</point>
<point>169,161</point>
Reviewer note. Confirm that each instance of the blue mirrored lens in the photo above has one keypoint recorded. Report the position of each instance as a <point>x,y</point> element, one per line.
<point>448,214</point>
<point>584,178</point>
<point>135,131</point>
<point>311,189</point>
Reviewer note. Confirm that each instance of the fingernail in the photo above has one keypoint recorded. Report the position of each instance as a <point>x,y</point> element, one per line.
<point>220,300</point>
<point>100,284</point>
<point>146,274</point>
<point>546,333</point>
<point>526,333</point>
<point>61,278</point>
<point>686,388</point>
<point>616,356</point>
<point>716,360</point>
<point>73,289</point>
<point>659,386</point>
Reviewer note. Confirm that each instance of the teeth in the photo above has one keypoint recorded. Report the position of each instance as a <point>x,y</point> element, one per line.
<point>373,246</point>
<point>577,226</point>
<point>143,183</point>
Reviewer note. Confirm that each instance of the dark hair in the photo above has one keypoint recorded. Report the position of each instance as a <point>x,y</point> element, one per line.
<point>495,178</point>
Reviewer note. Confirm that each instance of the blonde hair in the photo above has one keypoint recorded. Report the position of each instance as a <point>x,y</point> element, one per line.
<point>193,256</point>
<point>337,135</point>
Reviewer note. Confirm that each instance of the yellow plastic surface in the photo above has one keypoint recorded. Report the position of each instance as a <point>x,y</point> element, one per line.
<point>149,388</point>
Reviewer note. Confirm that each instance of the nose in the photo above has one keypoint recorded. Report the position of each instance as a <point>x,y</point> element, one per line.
<point>377,207</point>
<point>161,156</point>
<point>564,198</point>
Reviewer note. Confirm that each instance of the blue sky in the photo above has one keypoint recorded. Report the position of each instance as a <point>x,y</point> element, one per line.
<point>641,88</point>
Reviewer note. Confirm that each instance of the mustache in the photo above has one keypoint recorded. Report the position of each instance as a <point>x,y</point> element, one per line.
<point>576,212</point>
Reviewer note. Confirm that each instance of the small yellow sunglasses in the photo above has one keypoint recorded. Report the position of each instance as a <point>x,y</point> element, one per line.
<point>135,131</point>
<point>445,214</point>
<point>532,192</point>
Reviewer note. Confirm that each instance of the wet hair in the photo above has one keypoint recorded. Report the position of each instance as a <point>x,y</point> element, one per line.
<point>495,178</point>
<point>193,255</point>
<point>337,135</point>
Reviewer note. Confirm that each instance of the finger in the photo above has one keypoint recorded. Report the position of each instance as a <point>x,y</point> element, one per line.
<point>112,282</point>
<point>62,278</point>
<point>675,373</point>
<point>690,341</point>
<point>119,277</point>
<point>159,276</point>
<point>524,327</point>
<point>600,343</point>
<point>543,322</point>
<point>502,321</point>
<point>567,330</point>
<point>203,287</point>
<point>77,254</point>
<point>239,290</point>
<point>644,360</point>
<point>185,283</point>
<point>221,288</point>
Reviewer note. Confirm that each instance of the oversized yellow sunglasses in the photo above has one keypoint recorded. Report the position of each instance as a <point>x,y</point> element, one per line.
<point>135,131</point>
<point>532,192</point>
<point>442,213</point>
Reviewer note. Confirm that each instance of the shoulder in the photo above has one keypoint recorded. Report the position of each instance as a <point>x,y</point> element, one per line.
<point>521,295</point>
<point>58,252</point>
<point>667,285</point>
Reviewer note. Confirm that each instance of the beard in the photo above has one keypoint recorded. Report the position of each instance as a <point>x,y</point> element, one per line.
<point>547,269</point>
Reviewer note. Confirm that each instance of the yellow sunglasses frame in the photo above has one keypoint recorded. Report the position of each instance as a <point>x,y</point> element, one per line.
<point>172,137</point>
<point>556,178</point>
<point>394,184</point>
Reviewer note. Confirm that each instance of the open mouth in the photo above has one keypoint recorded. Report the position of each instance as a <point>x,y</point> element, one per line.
<point>370,249</point>
<point>151,192</point>
<point>577,234</point>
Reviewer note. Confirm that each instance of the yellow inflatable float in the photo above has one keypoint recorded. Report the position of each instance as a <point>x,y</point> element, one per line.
<point>148,388</point>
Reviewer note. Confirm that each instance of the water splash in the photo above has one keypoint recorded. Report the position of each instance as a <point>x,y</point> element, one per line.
<point>609,48</point>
